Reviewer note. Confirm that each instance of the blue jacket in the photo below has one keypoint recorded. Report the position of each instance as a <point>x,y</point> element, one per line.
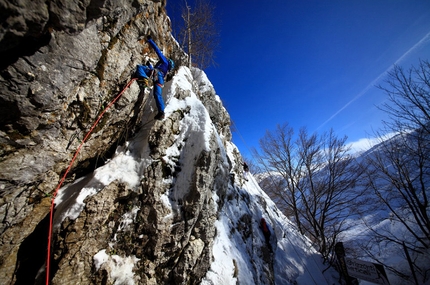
<point>162,64</point>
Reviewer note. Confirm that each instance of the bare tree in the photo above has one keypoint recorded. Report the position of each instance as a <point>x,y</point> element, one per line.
<point>318,185</point>
<point>279,156</point>
<point>399,170</point>
<point>198,35</point>
<point>408,98</point>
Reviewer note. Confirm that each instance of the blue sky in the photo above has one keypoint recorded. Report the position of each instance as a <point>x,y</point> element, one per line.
<point>312,64</point>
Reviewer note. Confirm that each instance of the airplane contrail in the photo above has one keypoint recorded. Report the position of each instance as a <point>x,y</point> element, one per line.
<point>371,84</point>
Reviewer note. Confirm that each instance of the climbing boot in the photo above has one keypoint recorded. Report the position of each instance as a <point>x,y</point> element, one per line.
<point>159,116</point>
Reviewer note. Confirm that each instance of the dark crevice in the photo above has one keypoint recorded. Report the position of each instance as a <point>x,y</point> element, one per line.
<point>128,129</point>
<point>32,255</point>
<point>28,46</point>
<point>10,114</point>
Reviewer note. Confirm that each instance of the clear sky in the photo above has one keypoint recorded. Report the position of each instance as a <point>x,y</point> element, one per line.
<point>312,63</point>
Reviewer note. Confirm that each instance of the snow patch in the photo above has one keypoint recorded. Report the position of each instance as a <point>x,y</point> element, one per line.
<point>236,258</point>
<point>119,269</point>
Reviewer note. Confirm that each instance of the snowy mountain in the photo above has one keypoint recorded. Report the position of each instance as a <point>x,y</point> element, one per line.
<point>390,214</point>
<point>141,201</point>
<point>240,253</point>
<point>400,170</point>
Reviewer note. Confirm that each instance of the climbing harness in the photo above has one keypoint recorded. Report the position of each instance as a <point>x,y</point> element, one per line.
<point>51,215</point>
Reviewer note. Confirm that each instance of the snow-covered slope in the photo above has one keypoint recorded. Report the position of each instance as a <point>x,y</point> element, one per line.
<point>240,254</point>
<point>245,257</point>
<point>379,234</point>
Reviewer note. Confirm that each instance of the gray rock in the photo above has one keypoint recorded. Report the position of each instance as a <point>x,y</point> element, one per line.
<point>63,62</point>
<point>83,55</point>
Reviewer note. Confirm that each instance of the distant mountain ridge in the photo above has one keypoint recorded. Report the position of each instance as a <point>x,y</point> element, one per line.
<point>395,170</point>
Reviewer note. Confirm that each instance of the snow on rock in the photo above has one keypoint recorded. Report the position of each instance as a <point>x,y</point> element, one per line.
<point>240,250</point>
<point>120,269</point>
<point>184,211</point>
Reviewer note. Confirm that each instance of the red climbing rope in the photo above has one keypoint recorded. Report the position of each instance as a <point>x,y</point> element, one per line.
<point>51,216</point>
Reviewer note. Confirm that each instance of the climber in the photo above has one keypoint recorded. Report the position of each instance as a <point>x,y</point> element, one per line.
<point>146,72</point>
<point>245,171</point>
<point>266,232</point>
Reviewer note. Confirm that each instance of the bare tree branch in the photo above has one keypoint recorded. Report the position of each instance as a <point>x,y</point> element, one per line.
<point>315,180</point>
<point>198,35</point>
<point>399,171</point>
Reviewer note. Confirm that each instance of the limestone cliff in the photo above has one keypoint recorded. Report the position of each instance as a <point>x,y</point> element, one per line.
<point>65,60</point>
<point>146,202</point>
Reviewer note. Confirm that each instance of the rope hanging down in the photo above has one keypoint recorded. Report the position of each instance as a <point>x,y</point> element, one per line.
<point>51,216</point>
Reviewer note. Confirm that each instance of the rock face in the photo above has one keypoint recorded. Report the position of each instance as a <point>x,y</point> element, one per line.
<point>145,201</point>
<point>62,63</point>
<point>142,198</point>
